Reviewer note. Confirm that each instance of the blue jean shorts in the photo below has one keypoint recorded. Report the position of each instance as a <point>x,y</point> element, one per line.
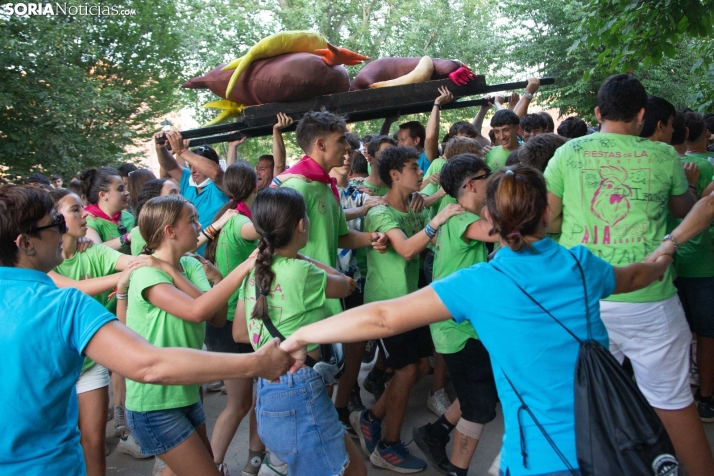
<point>161,430</point>
<point>297,421</point>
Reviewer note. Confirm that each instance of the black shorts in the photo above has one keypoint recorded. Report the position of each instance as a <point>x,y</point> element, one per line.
<point>355,299</point>
<point>221,340</point>
<point>472,376</point>
<point>407,348</point>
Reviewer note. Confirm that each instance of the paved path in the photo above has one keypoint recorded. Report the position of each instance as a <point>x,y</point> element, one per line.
<point>417,415</point>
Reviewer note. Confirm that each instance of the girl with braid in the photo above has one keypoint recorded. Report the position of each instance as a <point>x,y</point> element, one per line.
<point>296,418</point>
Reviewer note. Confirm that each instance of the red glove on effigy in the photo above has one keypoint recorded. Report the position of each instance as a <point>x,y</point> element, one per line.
<point>462,75</point>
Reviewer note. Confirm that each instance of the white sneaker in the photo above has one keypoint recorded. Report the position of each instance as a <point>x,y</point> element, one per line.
<point>495,466</point>
<point>119,422</point>
<point>438,402</point>
<point>272,466</point>
<point>159,466</point>
<point>130,446</point>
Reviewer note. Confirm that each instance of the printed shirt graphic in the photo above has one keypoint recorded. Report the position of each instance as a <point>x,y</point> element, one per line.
<point>391,276</point>
<point>296,299</point>
<point>496,158</point>
<point>615,190</point>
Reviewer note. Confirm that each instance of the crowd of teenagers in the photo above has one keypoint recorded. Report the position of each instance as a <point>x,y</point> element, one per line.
<point>418,254</point>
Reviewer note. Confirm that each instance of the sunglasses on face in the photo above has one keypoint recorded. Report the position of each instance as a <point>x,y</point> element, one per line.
<point>57,222</point>
<point>478,177</point>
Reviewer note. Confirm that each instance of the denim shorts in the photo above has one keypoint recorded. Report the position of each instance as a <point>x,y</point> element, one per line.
<point>161,430</point>
<point>298,422</point>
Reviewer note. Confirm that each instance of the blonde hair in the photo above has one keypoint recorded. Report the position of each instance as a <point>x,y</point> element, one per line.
<point>156,214</point>
<point>462,145</point>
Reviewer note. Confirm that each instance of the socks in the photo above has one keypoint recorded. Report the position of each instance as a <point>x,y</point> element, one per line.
<point>386,444</point>
<point>441,428</point>
<point>456,471</point>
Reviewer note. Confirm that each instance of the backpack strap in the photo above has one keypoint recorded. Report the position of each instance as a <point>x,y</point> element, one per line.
<point>274,332</point>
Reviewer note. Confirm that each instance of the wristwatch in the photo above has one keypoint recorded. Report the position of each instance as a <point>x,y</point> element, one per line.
<point>669,237</point>
<point>527,95</point>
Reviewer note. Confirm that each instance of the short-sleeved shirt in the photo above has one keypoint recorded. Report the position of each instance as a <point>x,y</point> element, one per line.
<point>97,261</point>
<point>207,203</point>
<point>377,190</point>
<point>389,274</point>
<point>615,190</point>
<point>296,299</point>
<point>543,367</point>
<point>695,258</point>
<point>452,253</point>
<point>327,224</point>
<point>423,162</point>
<point>43,334</point>
<point>231,251</point>
<point>496,158</point>
<point>137,241</point>
<point>162,330</point>
<point>108,230</point>
<point>435,168</point>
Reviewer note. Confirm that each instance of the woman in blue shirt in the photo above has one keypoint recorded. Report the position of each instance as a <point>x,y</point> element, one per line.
<point>524,343</point>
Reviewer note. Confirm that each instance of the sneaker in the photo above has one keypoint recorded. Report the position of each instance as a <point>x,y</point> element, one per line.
<point>223,469</point>
<point>159,466</point>
<point>438,402</point>
<point>694,377</point>
<point>495,468</point>
<point>433,449</point>
<point>214,386</point>
<point>374,384</point>
<point>119,422</point>
<point>369,432</point>
<point>252,466</point>
<point>370,351</point>
<point>706,412</point>
<point>347,424</point>
<point>130,446</point>
<point>355,404</point>
<point>396,458</point>
<point>272,466</point>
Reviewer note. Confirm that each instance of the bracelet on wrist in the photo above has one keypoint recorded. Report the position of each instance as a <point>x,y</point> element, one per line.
<point>207,234</point>
<point>212,231</point>
<point>179,152</point>
<point>430,231</point>
<point>277,182</point>
<point>121,296</point>
<point>437,105</point>
<point>691,185</point>
<point>669,237</point>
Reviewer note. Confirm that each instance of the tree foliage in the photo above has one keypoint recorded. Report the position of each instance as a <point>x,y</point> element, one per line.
<point>75,91</point>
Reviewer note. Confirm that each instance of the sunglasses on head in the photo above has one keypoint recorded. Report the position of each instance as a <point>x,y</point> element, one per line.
<point>478,177</point>
<point>57,222</point>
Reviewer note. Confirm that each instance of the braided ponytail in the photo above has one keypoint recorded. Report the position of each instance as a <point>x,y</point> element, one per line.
<point>276,214</point>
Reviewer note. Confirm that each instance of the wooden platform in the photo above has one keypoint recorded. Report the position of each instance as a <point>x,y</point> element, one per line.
<point>354,106</point>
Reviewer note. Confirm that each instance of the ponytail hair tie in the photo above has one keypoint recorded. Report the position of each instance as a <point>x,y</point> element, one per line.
<point>265,235</point>
<point>510,172</point>
<point>264,292</point>
<point>515,233</point>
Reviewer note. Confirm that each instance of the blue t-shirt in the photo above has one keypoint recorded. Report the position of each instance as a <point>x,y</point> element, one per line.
<point>423,162</point>
<point>207,203</point>
<point>43,333</point>
<point>528,345</point>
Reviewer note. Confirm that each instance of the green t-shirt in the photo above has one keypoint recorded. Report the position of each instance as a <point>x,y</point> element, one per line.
<point>327,224</point>
<point>109,230</point>
<point>96,262</point>
<point>445,201</point>
<point>436,167</point>
<point>615,190</point>
<point>377,191</point>
<point>231,251</point>
<point>296,299</point>
<point>496,158</point>
<point>695,258</point>
<point>389,274</point>
<point>162,330</point>
<point>137,241</point>
<point>452,253</point>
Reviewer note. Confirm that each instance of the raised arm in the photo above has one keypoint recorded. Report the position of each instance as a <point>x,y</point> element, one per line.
<point>279,153</point>
<point>166,160</point>
<point>387,124</point>
<point>206,166</point>
<point>478,120</point>
<point>521,109</point>
<point>232,154</point>
<point>431,142</point>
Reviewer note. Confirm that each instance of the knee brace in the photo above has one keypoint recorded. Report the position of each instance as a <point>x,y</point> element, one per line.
<point>469,428</point>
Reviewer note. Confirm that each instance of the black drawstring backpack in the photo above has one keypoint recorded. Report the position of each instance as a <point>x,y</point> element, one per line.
<point>616,430</point>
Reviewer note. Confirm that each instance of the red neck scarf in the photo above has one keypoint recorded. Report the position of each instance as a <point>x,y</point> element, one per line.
<point>244,210</point>
<point>308,168</point>
<point>97,212</point>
